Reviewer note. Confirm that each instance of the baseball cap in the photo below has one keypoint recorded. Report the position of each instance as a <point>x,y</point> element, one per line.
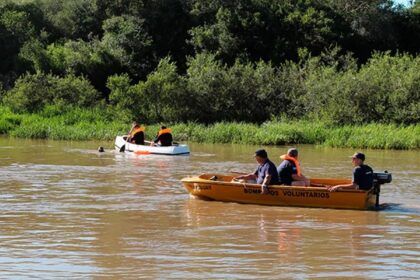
<point>359,156</point>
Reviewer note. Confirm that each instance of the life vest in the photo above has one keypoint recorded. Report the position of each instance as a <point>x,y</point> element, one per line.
<point>137,130</point>
<point>163,131</point>
<point>295,161</point>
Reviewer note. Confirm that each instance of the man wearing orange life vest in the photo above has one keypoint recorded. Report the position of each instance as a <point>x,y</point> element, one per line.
<point>136,134</point>
<point>164,137</point>
<point>289,170</point>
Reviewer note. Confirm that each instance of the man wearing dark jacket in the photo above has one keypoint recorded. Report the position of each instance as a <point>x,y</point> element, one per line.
<point>362,175</point>
<point>164,137</point>
<point>266,173</point>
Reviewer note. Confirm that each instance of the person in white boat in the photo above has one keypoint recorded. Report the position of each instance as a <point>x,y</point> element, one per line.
<point>163,137</point>
<point>136,134</point>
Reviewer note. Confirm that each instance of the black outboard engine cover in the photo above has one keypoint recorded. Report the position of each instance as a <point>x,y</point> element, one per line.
<point>378,180</point>
<point>382,178</point>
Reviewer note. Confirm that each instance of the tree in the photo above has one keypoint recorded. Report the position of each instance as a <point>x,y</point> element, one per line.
<point>18,24</point>
<point>33,92</point>
<point>262,29</point>
<point>76,19</point>
<point>127,40</point>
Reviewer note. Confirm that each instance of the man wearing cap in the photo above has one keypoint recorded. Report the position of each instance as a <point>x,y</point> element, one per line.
<point>289,170</point>
<point>265,174</point>
<point>362,175</point>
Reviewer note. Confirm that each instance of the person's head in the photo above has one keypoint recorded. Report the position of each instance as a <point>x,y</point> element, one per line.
<point>260,156</point>
<point>358,159</point>
<point>292,152</point>
<point>134,124</point>
<point>163,127</point>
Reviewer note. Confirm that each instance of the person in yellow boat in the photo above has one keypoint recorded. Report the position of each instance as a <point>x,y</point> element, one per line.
<point>362,175</point>
<point>289,170</point>
<point>266,173</point>
<point>163,137</point>
<point>136,134</point>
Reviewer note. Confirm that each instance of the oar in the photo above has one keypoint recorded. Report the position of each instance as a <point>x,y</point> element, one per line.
<point>122,149</point>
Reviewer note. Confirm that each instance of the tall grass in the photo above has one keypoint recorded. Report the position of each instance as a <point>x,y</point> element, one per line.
<point>375,136</point>
<point>102,124</point>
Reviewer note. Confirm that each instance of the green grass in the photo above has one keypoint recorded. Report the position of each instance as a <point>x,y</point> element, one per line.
<point>105,124</point>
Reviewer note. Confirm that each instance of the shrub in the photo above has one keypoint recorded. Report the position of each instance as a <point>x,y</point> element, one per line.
<point>33,92</point>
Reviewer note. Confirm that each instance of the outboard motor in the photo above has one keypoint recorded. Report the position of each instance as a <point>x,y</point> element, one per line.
<point>378,180</point>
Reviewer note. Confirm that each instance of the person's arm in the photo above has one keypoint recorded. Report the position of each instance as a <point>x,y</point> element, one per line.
<point>267,180</point>
<point>301,178</point>
<point>353,185</point>
<point>357,173</point>
<point>296,177</point>
<point>157,138</point>
<point>246,177</point>
<point>265,183</point>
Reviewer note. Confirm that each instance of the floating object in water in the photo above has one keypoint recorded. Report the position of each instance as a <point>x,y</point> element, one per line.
<point>101,149</point>
<point>142,152</point>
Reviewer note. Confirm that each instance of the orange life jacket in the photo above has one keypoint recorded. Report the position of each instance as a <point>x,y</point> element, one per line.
<point>295,161</point>
<point>137,130</point>
<point>163,131</point>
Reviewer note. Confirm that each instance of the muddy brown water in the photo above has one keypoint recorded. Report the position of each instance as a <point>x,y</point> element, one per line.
<point>67,211</point>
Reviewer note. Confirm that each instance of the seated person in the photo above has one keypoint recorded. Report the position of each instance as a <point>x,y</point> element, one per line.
<point>164,137</point>
<point>265,174</point>
<point>289,170</point>
<point>136,134</point>
<point>362,175</point>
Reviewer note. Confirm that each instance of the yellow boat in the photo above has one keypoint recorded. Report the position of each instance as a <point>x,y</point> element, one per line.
<point>223,188</point>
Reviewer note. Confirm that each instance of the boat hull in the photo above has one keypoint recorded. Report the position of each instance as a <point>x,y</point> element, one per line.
<point>223,189</point>
<point>147,149</point>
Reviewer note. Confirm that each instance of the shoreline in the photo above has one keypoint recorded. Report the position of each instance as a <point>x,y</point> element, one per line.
<point>91,126</point>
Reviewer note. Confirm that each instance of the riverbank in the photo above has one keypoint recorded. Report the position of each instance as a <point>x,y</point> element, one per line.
<point>96,124</point>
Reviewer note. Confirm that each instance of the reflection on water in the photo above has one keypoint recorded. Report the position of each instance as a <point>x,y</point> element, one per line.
<point>67,211</point>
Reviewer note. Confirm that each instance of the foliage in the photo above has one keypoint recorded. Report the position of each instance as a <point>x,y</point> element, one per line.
<point>126,39</point>
<point>329,88</point>
<point>157,99</point>
<point>70,123</point>
<point>385,89</point>
<point>33,92</point>
<point>18,24</point>
<point>261,29</point>
<point>74,20</point>
<point>340,62</point>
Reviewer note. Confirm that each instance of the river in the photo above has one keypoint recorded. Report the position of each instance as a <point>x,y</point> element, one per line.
<point>69,212</point>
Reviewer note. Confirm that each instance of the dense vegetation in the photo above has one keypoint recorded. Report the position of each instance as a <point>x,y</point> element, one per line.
<point>341,62</point>
<point>54,122</point>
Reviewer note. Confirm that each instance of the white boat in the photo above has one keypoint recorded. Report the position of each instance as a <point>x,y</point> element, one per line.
<point>123,146</point>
